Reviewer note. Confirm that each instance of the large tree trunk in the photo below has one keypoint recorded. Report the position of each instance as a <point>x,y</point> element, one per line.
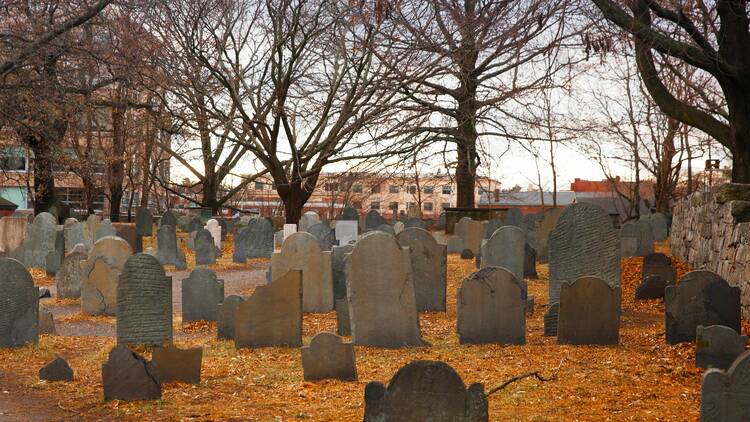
<point>210,192</point>
<point>739,124</point>
<point>466,167</point>
<point>294,198</point>
<point>116,173</point>
<point>664,188</point>
<point>44,176</point>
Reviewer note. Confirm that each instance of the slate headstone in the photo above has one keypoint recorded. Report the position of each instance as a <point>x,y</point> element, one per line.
<point>56,370</point>
<point>46,321</point>
<point>343,327</point>
<point>529,263</point>
<point>641,232</point>
<point>166,249</point>
<point>181,365</point>
<point>101,275</point>
<point>651,288</point>
<point>169,218</point>
<point>19,305</point>
<point>471,233</point>
<point>40,240</point>
<point>329,357</point>
<point>205,249</point>
<point>308,220</point>
<point>201,293</point>
<point>338,270</point>
<point>349,214</point>
<point>225,316</point>
<point>491,226</point>
<point>717,346</point>
<point>724,395</point>
<point>373,220</point>
<point>589,312</point>
<point>240,245</point>
<point>658,264</point>
<point>325,236</point>
<point>73,232</point>
<point>194,224</point>
<point>127,376</point>
<point>105,229</point>
<point>301,251</point>
<point>506,248</point>
<point>259,241</point>
<point>429,262</point>
<point>144,221</point>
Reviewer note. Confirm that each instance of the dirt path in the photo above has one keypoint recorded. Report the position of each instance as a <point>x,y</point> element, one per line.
<point>22,404</point>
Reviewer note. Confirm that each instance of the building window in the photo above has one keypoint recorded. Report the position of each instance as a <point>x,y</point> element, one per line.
<point>375,205</point>
<point>427,206</point>
<point>446,205</point>
<point>429,189</point>
<point>259,186</point>
<point>13,159</point>
<point>412,189</point>
<point>357,205</point>
<point>393,206</point>
<point>376,189</point>
<point>447,190</point>
<point>357,188</point>
<point>330,187</point>
<point>393,189</point>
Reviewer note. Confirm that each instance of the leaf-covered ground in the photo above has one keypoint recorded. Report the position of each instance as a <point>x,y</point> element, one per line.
<point>640,379</point>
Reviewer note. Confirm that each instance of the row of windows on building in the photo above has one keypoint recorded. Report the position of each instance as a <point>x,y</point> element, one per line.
<point>358,188</point>
<point>393,206</point>
<point>15,159</point>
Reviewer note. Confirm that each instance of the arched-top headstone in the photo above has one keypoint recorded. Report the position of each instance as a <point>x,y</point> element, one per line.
<point>415,222</point>
<point>381,295</point>
<point>373,220</point>
<point>505,248</point>
<point>328,357</point>
<point>425,391</point>
<point>202,292</point>
<point>589,312</point>
<point>144,302</point>
<point>308,220</point>
<point>658,224</point>
<point>660,265</point>
<point>325,236</point>
<point>699,298</point>
<point>717,346</point>
<point>144,221</point>
<point>491,307</point>
<point>301,251</point>
<point>166,245</point>
<point>105,229</point>
<point>724,395</point>
<point>583,243</point>
<point>205,249</point>
<point>471,233</point>
<point>641,232</point>
<point>491,227</point>
<point>214,228</point>
<point>169,218</point>
<point>429,261</point>
<point>101,274</point>
<point>338,270</point>
<point>259,240</point>
<point>73,231</point>
<point>349,213</point>
<point>19,305</point>
<point>69,277</point>
<point>40,240</point>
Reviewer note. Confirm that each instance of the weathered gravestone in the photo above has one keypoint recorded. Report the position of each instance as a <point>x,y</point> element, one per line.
<point>126,231</point>
<point>101,275</point>
<point>225,316</point>
<point>144,222</point>
<point>491,226</point>
<point>529,263</point>
<point>471,233</point>
<point>644,238</point>
<point>40,240</point>
<point>658,224</point>
<point>54,258</point>
<point>182,365</point>
<point>205,249</point>
<point>272,316</point>
<point>169,218</point>
<point>338,270</point>
<point>56,370</point>
<point>144,302</point>
<point>381,294</point>
<point>127,376</point>
<point>724,395</point>
<point>589,312</point>
<point>329,357</point>
<point>167,250</point>
<point>349,214</point>
<point>91,226</point>
<point>201,293</point>
<point>415,222</point>
<point>425,391</point>
<point>491,308</point>
<point>652,287</point>
<point>659,264</point>
<point>46,323</point>
<point>546,224</point>
<point>343,327</point>
<point>214,228</point>
<point>717,346</point>
<point>19,305</point>
<point>373,220</point>
<point>259,240</point>
<point>105,229</point>
<point>193,224</point>
<point>583,243</point>
<point>514,217</point>
<point>73,232</point>
<point>308,220</point>
<point>699,298</point>
<point>302,252</point>
<point>506,248</point>
<point>239,255</point>
<point>325,236</point>
<point>68,278</point>
<point>12,236</point>
<point>429,262</point>
<point>346,231</point>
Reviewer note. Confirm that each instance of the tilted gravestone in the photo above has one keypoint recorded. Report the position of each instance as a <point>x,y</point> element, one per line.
<point>40,240</point>
<point>699,298</point>
<point>127,376</point>
<point>471,233</point>
<point>717,346</point>
<point>182,365</point>
<point>105,229</point>
<point>73,232</point>
<point>68,278</point>
<point>19,305</point>
<point>724,395</point>
<point>169,218</point>
<point>380,290</point>
<point>225,316</point>
<point>201,293</point>
<point>491,308</point>
<point>373,220</point>
<point>346,232</point>
<point>338,270</point>
<point>101,275</point>
<point>589,312</point>
<point>652,287</point>
<point>325,236</point>
<point>56,370</point>
<point>302,252</point>
<point>272,316</point>
<point>658,264</point>
<point>308,220</point>
<point>506,248</point>
<point>205,249</point>
<point>529,263</point>
<point>429,261</point>
<point>144,302</point>
<point>583,243</point>
<point>144,222</point>
<point>425,391</point>
<point>644,238</point>
<point>329,357</point>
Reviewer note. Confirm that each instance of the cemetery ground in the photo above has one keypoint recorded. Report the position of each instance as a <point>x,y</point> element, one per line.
<point>640,379</point>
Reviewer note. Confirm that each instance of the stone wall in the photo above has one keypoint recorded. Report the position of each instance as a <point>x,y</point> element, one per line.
<point>711,230</point>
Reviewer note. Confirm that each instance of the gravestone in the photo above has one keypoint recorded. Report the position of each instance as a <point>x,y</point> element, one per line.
<point>429,262</point>
<point>652,287</point>
<point>126,231</point>
<point>127,376</point>
<point>325,236</point>
<point>397,227</point>
<point>272,316</point>
<point>641,232</point>
<point>717,346</point>
<point>169,218</point>
<point>56,370</point>
<point>12,235</point>
<point>415,222</point>
<point>40,240</point>
<point>19,305</point>
<point>699,298</point>
<point>471,233</point>
<point>583,243</point>
<point>349,214</point>
<point>373,220</point>
<point>166,248</point>
<point>239,254</point>
<point>46,323</point>
<point>545,226</point>
<point>724,395</point>
<point>529,263</point>
<point>289,229</point>
<point>550,319</point>
<point>225,316</point>
<point>105,229</point>
<point>338,270</point>
<point>589,312</point>
<point>506,248</point>
<point>192,224</point>
<point>205,249</point>
<point>328,357</point>
<point>455,244</point>
<point>346,231</point>
<point>144,302</point>
<point>308,220</point>
<point>68,278</point>
<point>181,365</point>
<point>514,217</point>
<point>343,327</point>
<point>381,294</point>
<point>259,241</point>
<point>302,252</point>
<point>73,232</point>
<point>386,228</point>
<point>658,264</point>
<point>53,262</point>
<point>491,308</point>
<point>491,226</point>
<point>201,293</point>
<point>214,228</point>
<point>144,222</point>
<point>658,224</point>
<point>628,246</point>
<point>425,391</point>
<point>91,226</point>
<point>101,275</point>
